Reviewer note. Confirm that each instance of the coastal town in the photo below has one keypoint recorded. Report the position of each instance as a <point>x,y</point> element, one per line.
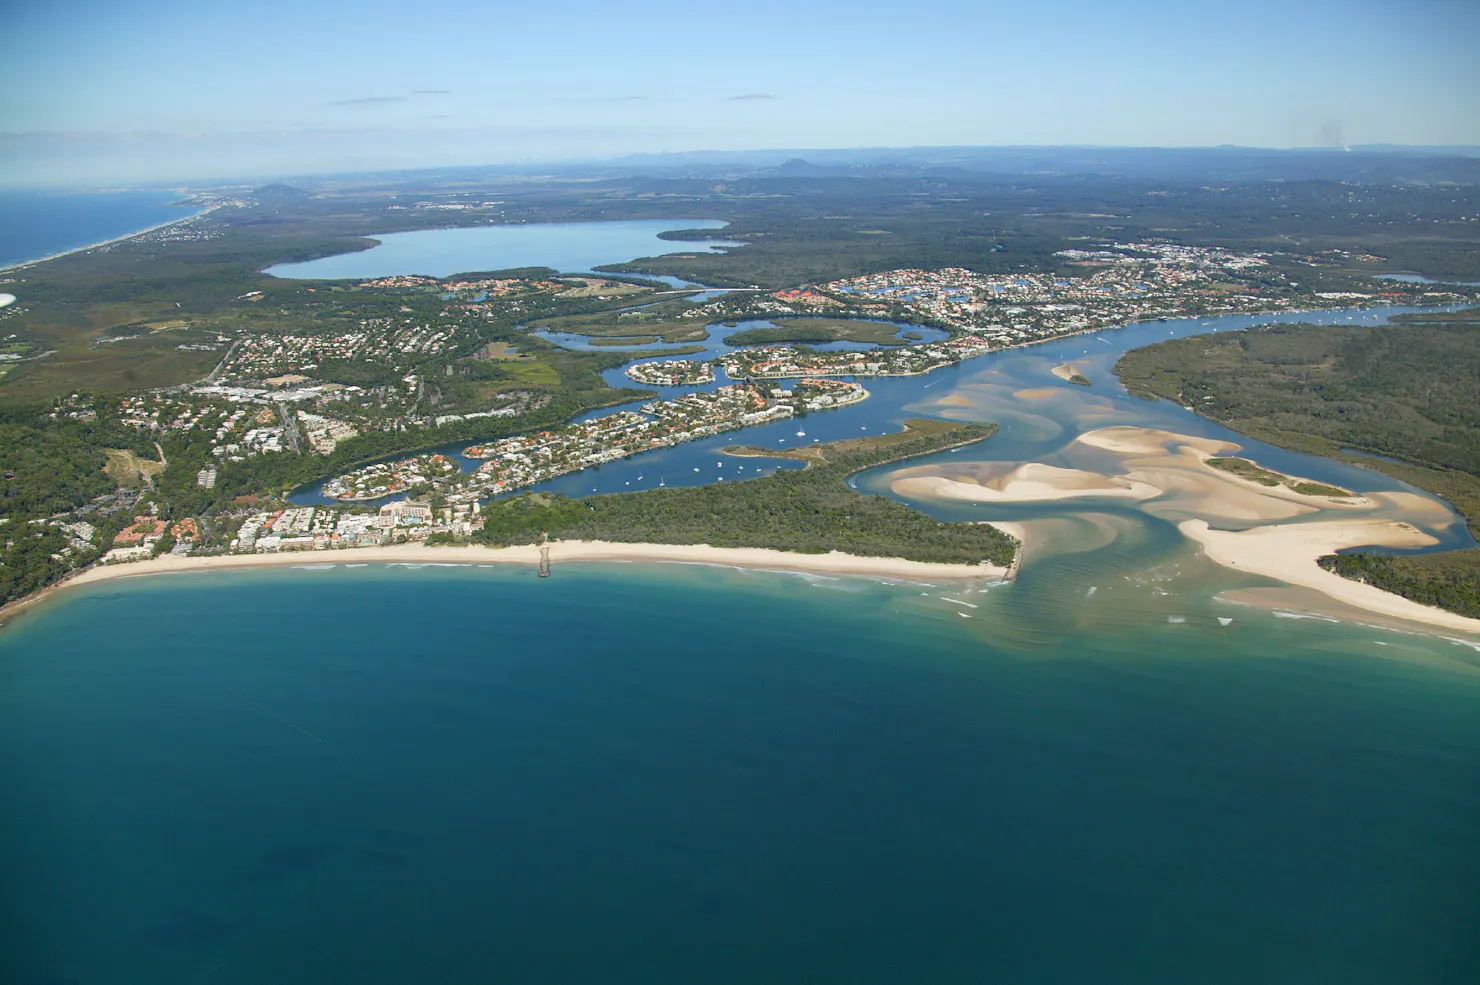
<point>286,393</point>
<point>525,460</point>
<point>1121,283</point>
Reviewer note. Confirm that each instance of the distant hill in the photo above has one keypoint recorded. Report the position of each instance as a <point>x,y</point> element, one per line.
<point>281,193</point>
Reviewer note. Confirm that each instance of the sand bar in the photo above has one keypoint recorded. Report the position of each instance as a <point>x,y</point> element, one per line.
<point>834,562</point>
<point>1033,482</point>
<point>1172,471</point>
<point>1288,552</point>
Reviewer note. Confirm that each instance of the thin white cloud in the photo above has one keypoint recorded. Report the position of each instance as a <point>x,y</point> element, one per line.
<point>368,101</point>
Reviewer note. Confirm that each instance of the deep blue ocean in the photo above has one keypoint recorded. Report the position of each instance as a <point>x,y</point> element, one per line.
<point>38,224</point>
<point>665,774</point>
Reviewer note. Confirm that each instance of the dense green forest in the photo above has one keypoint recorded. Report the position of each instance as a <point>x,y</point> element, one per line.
<point>810,510</point>
<point>1407,391</point>
<point>47,467</point>
<point>1449,580</point>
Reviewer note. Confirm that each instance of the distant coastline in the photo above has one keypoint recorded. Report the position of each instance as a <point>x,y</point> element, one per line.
<point>23,264</point>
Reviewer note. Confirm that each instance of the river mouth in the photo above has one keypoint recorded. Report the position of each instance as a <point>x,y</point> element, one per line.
<point>1044,419</point>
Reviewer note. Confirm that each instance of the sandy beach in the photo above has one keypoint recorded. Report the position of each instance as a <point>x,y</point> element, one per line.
<point>107,242</point>
<point>1169,474</point>
<point>834,563</point>
<point>1288,552</point>
<point>1068,371</point>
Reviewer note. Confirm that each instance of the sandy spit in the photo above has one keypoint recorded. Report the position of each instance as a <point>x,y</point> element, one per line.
<point>1067,371</point>
<point>1288,552</point>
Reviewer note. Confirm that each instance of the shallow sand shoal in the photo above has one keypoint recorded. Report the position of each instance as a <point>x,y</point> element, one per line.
<point>560,551</point>
<point>1033,482</point>
<point>1130,440</point>
<point>1288,552</point>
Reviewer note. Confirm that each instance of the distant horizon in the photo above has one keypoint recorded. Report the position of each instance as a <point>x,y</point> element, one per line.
<point>711,156</point>
<point>168,90</point>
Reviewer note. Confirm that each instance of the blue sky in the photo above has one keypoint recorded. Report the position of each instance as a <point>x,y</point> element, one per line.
<point>102,91</point>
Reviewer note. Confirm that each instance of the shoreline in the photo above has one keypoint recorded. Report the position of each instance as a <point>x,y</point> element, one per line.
<point>1288,552</point>
<point>109,242</point>
<point>755,558</point>
<point>1169,472</point>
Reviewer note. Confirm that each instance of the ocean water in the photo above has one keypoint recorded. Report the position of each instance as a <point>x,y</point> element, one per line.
<point>37,224</point>
<point>644,773</point>
<point>570,247</point>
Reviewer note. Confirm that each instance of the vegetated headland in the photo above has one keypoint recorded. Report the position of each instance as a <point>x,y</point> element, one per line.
<point>1402,399</point>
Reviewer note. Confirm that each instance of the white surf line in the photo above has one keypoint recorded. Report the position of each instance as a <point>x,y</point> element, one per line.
<point>275,715</point>
<point>970,605</point>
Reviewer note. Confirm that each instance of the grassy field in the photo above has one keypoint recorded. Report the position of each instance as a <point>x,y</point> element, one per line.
<point>820,330</point>
<point>129,469</point>
<point>132,364</point>
<point>532,373</point>
<point>1245,469</point>
<point>647,325</point>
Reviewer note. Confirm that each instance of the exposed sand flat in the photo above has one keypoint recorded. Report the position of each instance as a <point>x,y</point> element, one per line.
<point>1172,470</point>
<point>1033,482</point>
<point>1150,441</point>
<point>1067,371</point>
<point>1421,508</point>
<point>1037,393</point>
<point>1178,464</point>
<point>1288,552</point>
<point>574,550</point>
<point>1012,528</point>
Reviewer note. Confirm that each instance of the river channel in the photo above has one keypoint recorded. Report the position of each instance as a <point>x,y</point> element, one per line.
<point>1040,417</point>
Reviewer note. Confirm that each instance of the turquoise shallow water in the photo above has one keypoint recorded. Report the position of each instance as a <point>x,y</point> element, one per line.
<point>677,774</point>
